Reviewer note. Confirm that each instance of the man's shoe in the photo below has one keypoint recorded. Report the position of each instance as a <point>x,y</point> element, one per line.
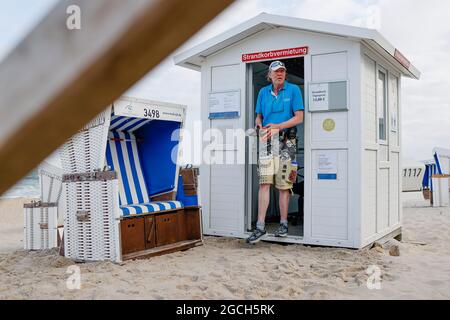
<point>256,236</point>
<point>282,231</point>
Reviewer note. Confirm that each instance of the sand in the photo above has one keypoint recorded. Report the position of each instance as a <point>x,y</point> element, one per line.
<point>226,268</point>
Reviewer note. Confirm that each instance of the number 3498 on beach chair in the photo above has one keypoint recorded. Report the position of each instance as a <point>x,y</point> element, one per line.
<point>123,190</point>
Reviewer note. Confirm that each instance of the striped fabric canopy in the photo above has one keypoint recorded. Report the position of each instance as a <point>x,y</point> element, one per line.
<point>438,164</point>
<point>126,124</point>
<point>430,170</point>
<point>122,156</point>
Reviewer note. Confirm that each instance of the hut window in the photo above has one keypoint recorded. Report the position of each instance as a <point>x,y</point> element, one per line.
<point>382,105</point>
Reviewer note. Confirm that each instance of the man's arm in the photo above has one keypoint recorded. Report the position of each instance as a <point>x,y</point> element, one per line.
<point>258,120</point>
<point>292,122</point>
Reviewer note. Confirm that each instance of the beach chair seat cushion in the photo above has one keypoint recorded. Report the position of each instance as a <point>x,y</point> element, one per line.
<point>150,207</point>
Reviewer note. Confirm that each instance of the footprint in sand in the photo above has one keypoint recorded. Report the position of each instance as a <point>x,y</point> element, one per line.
<point>277,287</point>
<point>183,287</point>
<point>293,293</point>
<point>263,293</point>
<point>287,268</point>
<point>128,292</point>
<point>319,295</point>
<point>216,275</point>
<point>275,276</point>
<point>231,288</point>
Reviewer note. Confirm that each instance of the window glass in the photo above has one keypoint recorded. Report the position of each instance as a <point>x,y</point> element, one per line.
<point>381,106</point>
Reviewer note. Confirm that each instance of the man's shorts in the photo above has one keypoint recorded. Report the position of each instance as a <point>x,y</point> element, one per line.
<point>279,169</point>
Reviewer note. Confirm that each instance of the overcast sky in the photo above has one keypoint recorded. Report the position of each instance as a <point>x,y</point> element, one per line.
<point>419,29</point>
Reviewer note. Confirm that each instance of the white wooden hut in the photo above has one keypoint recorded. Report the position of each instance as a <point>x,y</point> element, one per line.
<point>350,146</point>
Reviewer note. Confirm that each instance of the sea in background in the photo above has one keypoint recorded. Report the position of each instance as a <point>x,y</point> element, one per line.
<point>27,187</point>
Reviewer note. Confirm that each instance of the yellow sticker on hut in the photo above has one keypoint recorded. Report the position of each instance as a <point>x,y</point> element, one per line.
<point>328,125</point>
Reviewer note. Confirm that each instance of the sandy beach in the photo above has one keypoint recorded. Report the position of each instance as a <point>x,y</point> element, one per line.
<point>229,269</point>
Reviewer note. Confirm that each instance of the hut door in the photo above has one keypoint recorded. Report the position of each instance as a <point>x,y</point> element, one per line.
<point>227,167</point>
<point>327,190</point>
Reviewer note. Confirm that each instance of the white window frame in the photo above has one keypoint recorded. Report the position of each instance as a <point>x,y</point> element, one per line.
<point>385,107</point>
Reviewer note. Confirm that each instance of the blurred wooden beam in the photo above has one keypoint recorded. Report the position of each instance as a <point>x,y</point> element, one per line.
<point>58,79</point>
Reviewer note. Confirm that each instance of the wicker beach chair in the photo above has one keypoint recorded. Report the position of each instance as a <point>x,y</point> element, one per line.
<point>41,218</point>
<point>120,185</point>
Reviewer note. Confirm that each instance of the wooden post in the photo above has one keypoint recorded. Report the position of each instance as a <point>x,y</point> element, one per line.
<point>58,79</point>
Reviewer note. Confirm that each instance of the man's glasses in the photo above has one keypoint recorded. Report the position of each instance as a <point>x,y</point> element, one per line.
<point>276,64</point>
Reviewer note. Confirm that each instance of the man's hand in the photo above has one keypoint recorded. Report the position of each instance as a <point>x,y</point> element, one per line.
<point>258,122</point>
<point>272,129</point>
<point>273,126</point>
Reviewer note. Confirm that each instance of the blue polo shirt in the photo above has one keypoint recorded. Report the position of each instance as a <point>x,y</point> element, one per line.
<point>278,109</point>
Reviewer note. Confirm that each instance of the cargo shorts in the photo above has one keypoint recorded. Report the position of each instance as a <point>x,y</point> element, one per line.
<point>279,168</point>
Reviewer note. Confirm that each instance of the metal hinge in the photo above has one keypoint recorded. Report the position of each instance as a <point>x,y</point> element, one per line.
<point>82,215</point>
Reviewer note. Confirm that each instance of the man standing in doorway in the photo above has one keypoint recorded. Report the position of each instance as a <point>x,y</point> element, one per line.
<point>279,110</point>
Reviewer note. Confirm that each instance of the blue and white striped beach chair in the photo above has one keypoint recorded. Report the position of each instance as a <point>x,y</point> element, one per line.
<point>130,154</point>
<point>123,157</point>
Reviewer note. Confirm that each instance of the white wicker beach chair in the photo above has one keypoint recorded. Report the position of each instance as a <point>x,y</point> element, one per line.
<point>41,217</point>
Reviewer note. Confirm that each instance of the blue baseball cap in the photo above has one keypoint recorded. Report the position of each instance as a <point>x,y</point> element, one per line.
<point>275,65</point>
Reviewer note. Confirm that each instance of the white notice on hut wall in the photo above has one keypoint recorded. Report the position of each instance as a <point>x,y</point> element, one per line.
<point>327,165</point>
<point>226,104</point>
<point>318,97</point>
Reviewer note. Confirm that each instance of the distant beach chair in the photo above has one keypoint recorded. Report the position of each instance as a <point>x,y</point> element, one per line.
<point>41,218</point>
<point>120,185</point>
